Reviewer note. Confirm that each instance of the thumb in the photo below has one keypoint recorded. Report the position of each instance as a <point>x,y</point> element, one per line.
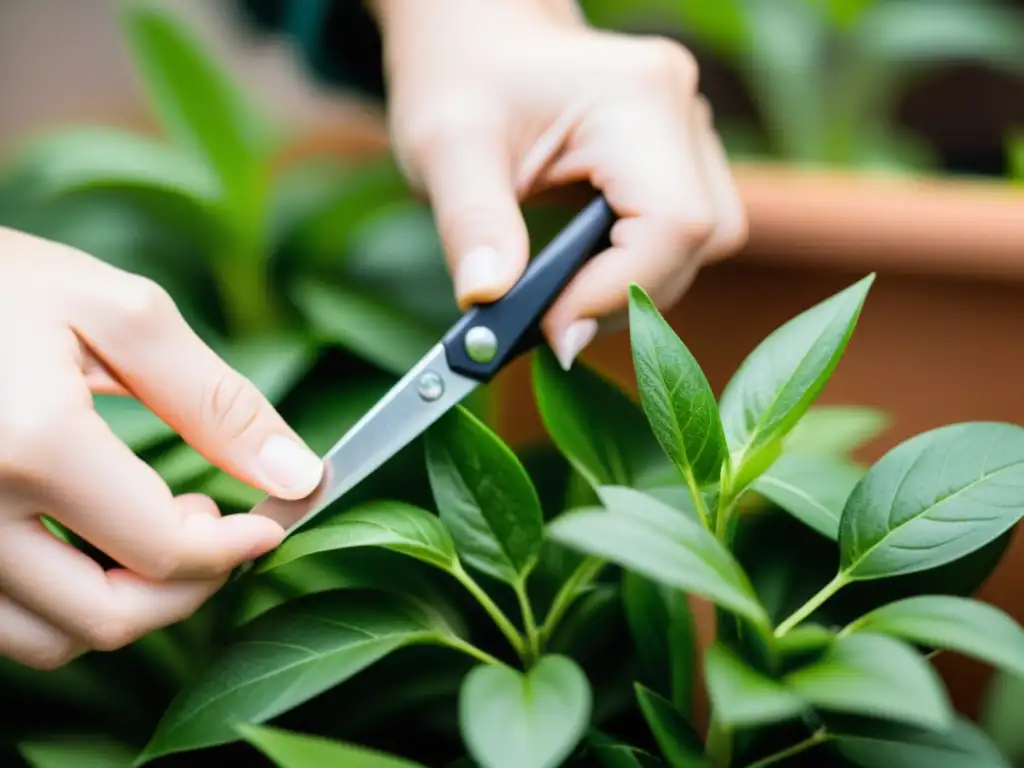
<point>144,342</point>
<point>471,187</point>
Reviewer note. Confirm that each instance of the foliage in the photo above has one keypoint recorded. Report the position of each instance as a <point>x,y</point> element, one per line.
<point>826,76</point>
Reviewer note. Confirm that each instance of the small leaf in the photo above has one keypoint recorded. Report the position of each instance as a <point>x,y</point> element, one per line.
<point>610,753</point>
<point>741,696</point>
<point>876,676</point>
<point>933,499</point>
<point>679,743</point>
<point>596,425</point>
<point>662,626</point>
<point>511,720</point>
<point>484,496</point>
<point>893,745</point>
<point>285,657</point>
<point>813,489</point>
<point>297,750</point>
<point>393,525</point>
<point>675,394</point>
<point>648,537</point>
<point>836,430</point>
<point>781,378</point>
<point>78,751</point>
<point>952,623</point>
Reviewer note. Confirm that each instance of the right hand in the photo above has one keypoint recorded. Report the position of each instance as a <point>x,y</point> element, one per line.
<point>72,326</point>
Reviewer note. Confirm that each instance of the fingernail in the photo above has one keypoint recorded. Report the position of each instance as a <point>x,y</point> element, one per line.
<point>574,340</point>
<point>478,271</point>
<point>290,467</point>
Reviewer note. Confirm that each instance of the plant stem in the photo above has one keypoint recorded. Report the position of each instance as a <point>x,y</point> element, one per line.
<point>811,741</point>
<point>585,573</point>
<point>698,501</point>
<point>500,619</point>
<point>838,582</point>
<point>470,650</point>
<point>529,622</point>
<point>718,744</point>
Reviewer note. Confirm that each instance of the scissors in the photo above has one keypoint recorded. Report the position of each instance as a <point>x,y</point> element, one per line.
<point>485,340</point>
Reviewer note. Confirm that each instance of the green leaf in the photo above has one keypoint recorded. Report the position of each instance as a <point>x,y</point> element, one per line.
<point>743,697</point>
<point>648,537</point>
<point>675,394</point>
<point>876,676</point>
<point>198,107</point>
<point>366,325</point>
<point>679,743</point>
<point>836,430</point>
<point>892,745</point>
<point>952,623</point>
<point>813,489</point>
<point>285,657</point>
<point>484,497</point>
<point>781,378</point>
<point>662,626</point>
<point>274,362</point>
<point>1000,716</point>
<point>596,425</point>
<point>133,423</point>
<point>87,751</point>
<point>512,720</point>
<point>933,499</point>
<point>610,753</point>
<point>393,525</point>
<point>1017,156</point>
<point>297,750</point>
<point>181,464</point>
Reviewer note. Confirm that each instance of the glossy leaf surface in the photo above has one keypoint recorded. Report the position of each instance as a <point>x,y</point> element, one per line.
<point>813,489</point>
<point>678,742</point>
<point>744,697</point>
<point>891,745</point>
<point>297,750</point>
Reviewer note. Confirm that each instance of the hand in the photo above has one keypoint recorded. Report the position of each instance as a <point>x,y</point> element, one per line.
<point>71,325</point>
<point>492,102</point>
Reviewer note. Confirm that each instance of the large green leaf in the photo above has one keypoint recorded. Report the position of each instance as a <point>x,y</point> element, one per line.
<point>484,497</point>
<point>297,750</point>
<point>933,499</point>
<point>644,535</point>
<point>512,720</point>
<point>813,489</point>
<point>744,697</point>
<point>780,379</point>
<point>662,626</point>
<point>836,430</point>
<point>1000,716</point>
<point>892,745</point>
<point>390,524</point>
<point>137,426</point>
<point>595,424</point>
<point>952,623</point>
<point>679,743</point>
<point>198,106</point>
<point>675,394</point>
<point>875,676</point>
<point>285,657</point>
<point>371,327</point>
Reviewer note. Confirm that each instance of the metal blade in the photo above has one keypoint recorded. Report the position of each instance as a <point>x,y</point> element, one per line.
<point>413,404</point>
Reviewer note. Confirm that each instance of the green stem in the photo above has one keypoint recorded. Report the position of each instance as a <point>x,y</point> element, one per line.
<point>813,604</point>
<point>585,573</point>
<point>470,650</point>
<point>500,619</point>
<point>698,501</point>
<point>529,622</point>
<point>718,743</point>
<point>811,741</point>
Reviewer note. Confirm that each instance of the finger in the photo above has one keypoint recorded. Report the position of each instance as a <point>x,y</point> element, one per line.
<point>471,187</point>
<point>99,379</point>
<point>104,610</point>
<point>133,326</point>
<point>32,641</point>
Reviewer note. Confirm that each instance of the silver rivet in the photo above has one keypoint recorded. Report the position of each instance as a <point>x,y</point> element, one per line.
<point>481,344</point>
<point>431,386</point>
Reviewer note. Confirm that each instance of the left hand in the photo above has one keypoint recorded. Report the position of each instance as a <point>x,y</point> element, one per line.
<point>492,102</point>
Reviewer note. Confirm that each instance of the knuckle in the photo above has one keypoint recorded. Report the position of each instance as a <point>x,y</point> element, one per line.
<point>142,302</point>
<point>50,656</point>
<point>451,122</point>
<point>27,434</point>
<point>108,632</point>
<point>664,61</point>
<point>233,404</point>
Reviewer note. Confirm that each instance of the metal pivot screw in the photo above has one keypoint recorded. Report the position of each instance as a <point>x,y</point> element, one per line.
<point>481,344</point>
<point>431,386</point>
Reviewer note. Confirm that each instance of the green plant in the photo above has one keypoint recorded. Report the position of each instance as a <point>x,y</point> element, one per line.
<point>826,76</point>
<point>538,626</point>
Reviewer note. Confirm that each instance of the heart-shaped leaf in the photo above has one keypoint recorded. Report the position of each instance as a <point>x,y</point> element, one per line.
<point>297,750</point>
<point>675,394</point>
<point>644,535</point>
<point>875,676</point>
<point>933,499</point>
<point>743,697</point>
<point>952,623</point>
<point>776,384</point>
<point>813,489</point>
<point>285,657</point>
<point>484,496</point>
<point>679,743</point>
<point>390,524</point>
<point>512,720</point>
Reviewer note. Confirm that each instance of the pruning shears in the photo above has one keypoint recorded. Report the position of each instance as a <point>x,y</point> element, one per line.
<point>476,348</point>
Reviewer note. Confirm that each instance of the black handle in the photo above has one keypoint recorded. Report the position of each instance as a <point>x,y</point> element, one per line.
<point>489,336</point>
